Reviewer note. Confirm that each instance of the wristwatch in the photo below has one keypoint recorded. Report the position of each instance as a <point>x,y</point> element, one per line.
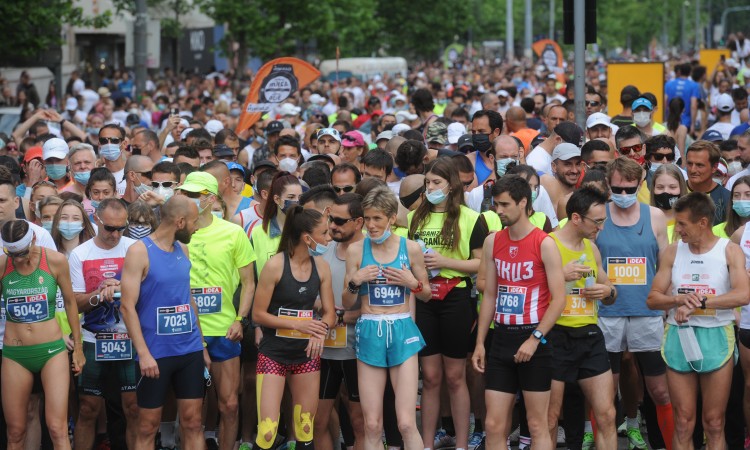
<point>244,321</point>
<point>353,288</point>
<point>539,335</point>
<point>703,302</point>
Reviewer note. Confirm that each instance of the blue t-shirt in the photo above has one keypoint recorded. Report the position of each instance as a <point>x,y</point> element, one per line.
<point>740,129</point>
<point>686,89</point>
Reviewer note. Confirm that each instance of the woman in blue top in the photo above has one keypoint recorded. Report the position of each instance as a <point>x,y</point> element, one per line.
<point>390,272</point>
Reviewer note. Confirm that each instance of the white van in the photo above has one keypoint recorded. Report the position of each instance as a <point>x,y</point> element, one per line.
<point>363,68</point>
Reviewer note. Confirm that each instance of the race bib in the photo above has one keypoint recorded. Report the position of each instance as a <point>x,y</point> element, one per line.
<point>208,299</point>
<point>510,300</point>
<point>173,320</point>
<point>27,308</point>
<point>59,302</point>
<point>113,347</point>
<point>384,294</point>
<point>336,337</point>
<point>294,314</point>
<point>627,271</point>
<point>703,291</point>
<point>577,305</point>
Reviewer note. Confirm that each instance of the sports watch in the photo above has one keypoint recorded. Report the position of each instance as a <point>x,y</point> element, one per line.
<point>539,335</point>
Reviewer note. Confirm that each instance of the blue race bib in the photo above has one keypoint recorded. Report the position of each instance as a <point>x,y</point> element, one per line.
<point>207,299</point>
<point>383,294</point>
<point>173,320</point>
<point>113,347</point>
<point>510,300</point>
<point>28,308</point>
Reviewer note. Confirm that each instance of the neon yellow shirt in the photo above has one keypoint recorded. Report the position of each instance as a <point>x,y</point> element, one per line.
<point>578,311</point>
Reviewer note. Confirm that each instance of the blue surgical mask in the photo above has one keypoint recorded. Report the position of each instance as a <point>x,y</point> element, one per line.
<point>198,202</point>
<point>82,177</point>
<point>218,214</point>
<point>654,166</point>
<point>379,240</point>
<point>56,171</point>
<point>95,204</point>
<point>235,112</point>
<point>288,204</point>
<point>319,249</point>
<point>110,152</point>
<point>436,197</point>
<point>624,201</point>
<point>534,195</point>
<point>141,189</point>
<point>93,131</point>
<point>741,207</point>
<point>502,165</point>
<point>47,225</point>
<point>69,230</point>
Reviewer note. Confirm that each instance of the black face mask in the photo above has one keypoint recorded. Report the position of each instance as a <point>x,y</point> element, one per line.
<point>408,200</point>
<point>665,200</point>
<point>481,142</point>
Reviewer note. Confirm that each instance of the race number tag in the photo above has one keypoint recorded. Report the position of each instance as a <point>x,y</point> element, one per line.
<point>113,347</point>
<point>703,291</point>
<point>627,271</point>
<point>384,294</point>
<point>28,308</point>
<point>173,320</point>
<point>294,314</point>
<point>577,305</point>
<point>510,300</point>
<point>208,299</point>
<point>336,337</point>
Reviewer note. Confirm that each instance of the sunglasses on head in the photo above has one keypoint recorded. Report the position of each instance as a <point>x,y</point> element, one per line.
<point>166,184</point>
<point>340,189</point>
<point>633,148</point>
<point>111,140</point>
<point>662,156</point>
<point>624,190</point>
<point>340,221</point>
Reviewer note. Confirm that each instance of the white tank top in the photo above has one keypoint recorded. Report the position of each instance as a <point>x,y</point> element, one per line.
<point>745,246</point>
<point>706,274</point>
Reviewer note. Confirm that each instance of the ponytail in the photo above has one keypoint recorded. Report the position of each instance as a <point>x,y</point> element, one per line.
<point>298,221</point>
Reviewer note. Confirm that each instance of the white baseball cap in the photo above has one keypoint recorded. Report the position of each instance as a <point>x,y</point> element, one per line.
<point>455,131</point>
<point>55,148</point>
<point>724,103</point>
<point>598,119</point>
<point>213,126</point>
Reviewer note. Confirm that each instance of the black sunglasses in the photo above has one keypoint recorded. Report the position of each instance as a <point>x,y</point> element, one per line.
<point>111,140</point>
<point>594,104</point>
<point>340,221</point>
<point>112,228</point>
<point>340,189</point>
<point>662,156</point>
<point>624,190</point>
<point>166,184</point>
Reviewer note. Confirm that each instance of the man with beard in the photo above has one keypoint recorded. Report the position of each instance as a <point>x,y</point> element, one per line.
<point>339,361</point>
<point>162,321</point>
<point>566,171</point>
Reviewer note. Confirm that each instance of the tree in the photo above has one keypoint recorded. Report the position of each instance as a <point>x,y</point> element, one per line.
<point>33,27</point>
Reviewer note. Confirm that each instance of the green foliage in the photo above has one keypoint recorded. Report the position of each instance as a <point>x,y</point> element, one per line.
<point>33,26</point>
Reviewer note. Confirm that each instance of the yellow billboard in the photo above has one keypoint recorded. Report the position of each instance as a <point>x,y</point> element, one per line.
<point>647,77</point>
<point>711,57</point>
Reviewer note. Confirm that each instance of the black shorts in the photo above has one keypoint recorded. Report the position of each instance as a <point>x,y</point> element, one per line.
<point>332,373</point>
<point>503,374</point>
<point>651,363</point>
<point>183,373</point>
<point>446,325</point>
<point>744,337</point>
<point>578,353</point>
<point>249,351</point>
<point>92,378</point>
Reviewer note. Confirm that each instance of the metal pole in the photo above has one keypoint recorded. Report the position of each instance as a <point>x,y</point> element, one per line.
<point>683,30</point>
<point>551,19</point>
<point>527,31</point>
<point>697,25</point>
<point>726,13</point>
<point>509,53</point>
<point>140,32</point>
<point>579,40</point>
<point>710,33</point>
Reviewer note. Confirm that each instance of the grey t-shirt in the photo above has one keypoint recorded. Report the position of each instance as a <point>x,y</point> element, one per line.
<point>338,272</point>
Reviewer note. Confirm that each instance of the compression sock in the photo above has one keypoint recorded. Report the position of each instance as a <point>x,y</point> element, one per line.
<point>305,445</point>
<point>448,426</point>
<point>666,423</point>
<point>478,426</point>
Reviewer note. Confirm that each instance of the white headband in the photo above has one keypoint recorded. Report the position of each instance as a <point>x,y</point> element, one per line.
<point>21,244</point>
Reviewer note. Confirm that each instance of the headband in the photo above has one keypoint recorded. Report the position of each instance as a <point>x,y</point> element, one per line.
<point>21,244</point>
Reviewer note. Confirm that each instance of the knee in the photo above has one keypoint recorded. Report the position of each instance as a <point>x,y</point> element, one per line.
<point>492,424</point>
<point>358,423</point>
<point>684,421</point>
<point>432,379</point>
<point>58,429</point>
<point>537,425</point>
<point>407,427</point>
<point>303,424</point>
<point>267,429</point>
<point>321,422</point>
<point>660,394</point>
<point>131,412</point>
<point>16,432</point>
<point>191,422</point>
<point>456,380</point>
<point>148,427</point>
<point>89,410</point>
<point>229,407</point>
<point>372,425</point>
<point>606,417</point>
<point>713,423</point>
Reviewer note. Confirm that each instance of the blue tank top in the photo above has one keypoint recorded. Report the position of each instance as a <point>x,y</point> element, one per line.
<point>380,292</point>
<point>167,319</point>
<point>480,169</point>
<point>244,204</point>
<point>630,257</point>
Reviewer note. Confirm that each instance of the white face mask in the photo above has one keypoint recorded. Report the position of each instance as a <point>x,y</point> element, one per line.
<point>288,165</point>
<point>642,118</point>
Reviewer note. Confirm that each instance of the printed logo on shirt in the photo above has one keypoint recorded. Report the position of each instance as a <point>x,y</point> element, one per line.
<point>514,271</point>
<point>513,252</point>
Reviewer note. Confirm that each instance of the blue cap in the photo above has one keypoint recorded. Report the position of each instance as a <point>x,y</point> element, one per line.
<point>235,166</point>
<point>712,136</point>
<point>642,102</point>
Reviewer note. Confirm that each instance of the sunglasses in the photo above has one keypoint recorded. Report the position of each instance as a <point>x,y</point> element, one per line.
<point>340,221</point>
<point>624,190</point>
<point>662,156</point>
<point>112,228</point>
<point>467,183</point>
<point>633,148</point>
<point>166,184</point>
<point>594,104</point>
<point>11,148</point>
<point>340,189</point>
<point>112,140</point>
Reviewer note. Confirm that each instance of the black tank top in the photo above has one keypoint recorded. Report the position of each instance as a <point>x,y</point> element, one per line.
<point>292,300</point>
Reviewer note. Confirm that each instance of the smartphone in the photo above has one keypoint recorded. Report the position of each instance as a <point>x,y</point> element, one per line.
<point>174,112</point>
<point>723,58</point>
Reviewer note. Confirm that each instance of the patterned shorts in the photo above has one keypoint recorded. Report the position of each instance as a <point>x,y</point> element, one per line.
<point>268,366</point>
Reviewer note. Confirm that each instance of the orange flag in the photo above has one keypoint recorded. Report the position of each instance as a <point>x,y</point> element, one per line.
<point>550,55</point>
<point>276,81</point>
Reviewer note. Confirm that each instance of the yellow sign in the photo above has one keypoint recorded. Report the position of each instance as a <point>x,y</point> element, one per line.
<point>711,57</point>
<point>336,337</point>
<point>577,305</point>
<point>647,77</point>
<point>627,271</point>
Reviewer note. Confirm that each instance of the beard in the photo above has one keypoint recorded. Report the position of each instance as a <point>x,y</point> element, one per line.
<point>183,236</point>
<point>342,237</point>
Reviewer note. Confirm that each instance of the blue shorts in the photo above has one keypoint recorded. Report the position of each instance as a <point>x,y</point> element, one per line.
<point>387,340</point>
<point>221,349</point>
<point>717,345</point>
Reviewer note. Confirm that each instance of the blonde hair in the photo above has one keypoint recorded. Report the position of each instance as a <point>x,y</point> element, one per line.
<point>381,199</point>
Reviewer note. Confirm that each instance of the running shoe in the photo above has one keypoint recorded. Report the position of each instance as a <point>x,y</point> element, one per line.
<point>475,440</point>
<point>588,441</point>
<point>513,437</point>
<point>524,443</point>
<point>560,436</point>
<point>246,446</point>
<point>635,440</point>
<point>443,440</point>
<point>622,430</point>
<point>212,444</point>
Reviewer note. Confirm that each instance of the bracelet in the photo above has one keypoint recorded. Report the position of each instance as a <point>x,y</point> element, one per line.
<point>238,319</point>
<point>205,344</point>
<point>353,288</point>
